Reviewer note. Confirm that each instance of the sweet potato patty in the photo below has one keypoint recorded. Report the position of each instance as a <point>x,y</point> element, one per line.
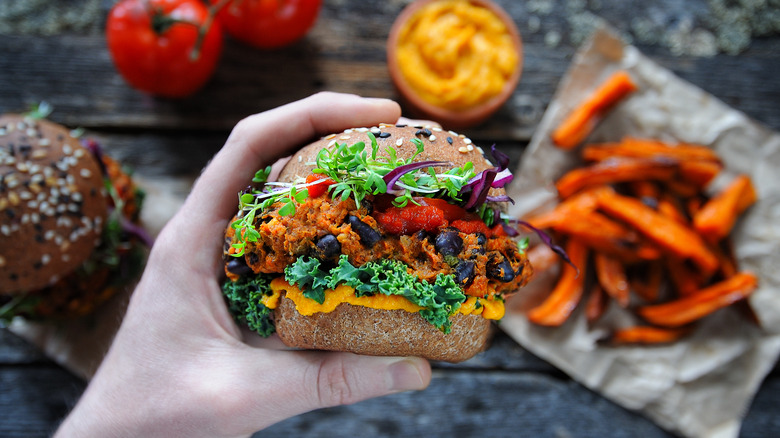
<point>326,228</point>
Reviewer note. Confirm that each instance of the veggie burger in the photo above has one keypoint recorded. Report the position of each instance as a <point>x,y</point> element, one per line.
<point>383,241</point>
<point>69,233</point>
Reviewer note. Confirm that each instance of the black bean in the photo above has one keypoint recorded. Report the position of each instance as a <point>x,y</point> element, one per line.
<point>448,242</point>
<point>465,272</point>
<point>238,266</point>
<point>500,269</point>
<point>481,239</point>
<point>328,247</point>
<point>368,236</point>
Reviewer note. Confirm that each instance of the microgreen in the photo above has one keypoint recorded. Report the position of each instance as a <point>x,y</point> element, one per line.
<point>359,170</point>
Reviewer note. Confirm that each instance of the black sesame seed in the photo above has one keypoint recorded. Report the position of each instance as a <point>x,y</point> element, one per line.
<point>10,213</point>
<point>37,265</point>
<point>427,132</point>
<point>39,238</point>
<point>418,132</point>
<point>449,140</point>
<point>400,126</point>
<point>384,134</point>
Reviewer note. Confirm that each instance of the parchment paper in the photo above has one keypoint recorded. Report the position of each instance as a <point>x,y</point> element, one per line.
<point>700,386</point>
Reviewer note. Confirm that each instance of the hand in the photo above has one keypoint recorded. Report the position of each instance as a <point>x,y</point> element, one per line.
<point>179,365</point>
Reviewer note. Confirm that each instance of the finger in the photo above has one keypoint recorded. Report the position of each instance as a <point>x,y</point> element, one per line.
<point>301,381</point>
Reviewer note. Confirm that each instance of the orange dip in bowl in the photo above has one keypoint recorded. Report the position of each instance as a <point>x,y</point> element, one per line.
<point>459,56</point>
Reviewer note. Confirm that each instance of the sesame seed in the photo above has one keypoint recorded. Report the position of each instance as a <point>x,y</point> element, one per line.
<point>22,167</point>
<point>48,235</point>
<point>300,158</point>
<point>330,136</point>
<point>3,203</point>
<point>481,151</point>
<point>79,153</point>
<point>399,142</point>
<point>85,173</point>
<point>470,148</point>
<point>44,142</point>
<point>349,131</point>
<point>432,138</point>
<point>65,257</point>
<point>332,142</point>
<point>38,154</point>
<point>467,140</point>
<point>25,195</point>
<point>67,150</point>
<point>6,230</point>
<point>437,129</point>
<point>30,132</point>
<point>45,259</point>
<point>13,198</point>
<point>462,149</point>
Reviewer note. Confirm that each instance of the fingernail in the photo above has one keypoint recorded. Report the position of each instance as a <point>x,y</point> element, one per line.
<point>406,375</point>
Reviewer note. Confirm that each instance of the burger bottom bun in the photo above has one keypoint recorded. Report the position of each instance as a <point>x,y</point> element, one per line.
<point>363,330</point>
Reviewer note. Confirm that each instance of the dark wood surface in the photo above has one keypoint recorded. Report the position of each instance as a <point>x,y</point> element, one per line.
<point>503,392</point>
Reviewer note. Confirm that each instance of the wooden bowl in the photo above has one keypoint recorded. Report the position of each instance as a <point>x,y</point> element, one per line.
<point>451,118</point>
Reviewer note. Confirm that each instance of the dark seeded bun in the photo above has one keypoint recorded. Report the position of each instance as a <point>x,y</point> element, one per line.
<point>375,332</point>
<point>52,203</point>
<point>364,330</point>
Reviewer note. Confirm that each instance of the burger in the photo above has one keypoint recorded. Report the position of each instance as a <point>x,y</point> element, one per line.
<point>383,241</point>
<point>69,232</point>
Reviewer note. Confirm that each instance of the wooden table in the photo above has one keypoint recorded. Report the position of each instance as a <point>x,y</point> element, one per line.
<point>503,392</point>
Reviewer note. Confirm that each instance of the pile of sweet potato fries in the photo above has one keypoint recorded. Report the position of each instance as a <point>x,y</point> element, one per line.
<point>640,229</point>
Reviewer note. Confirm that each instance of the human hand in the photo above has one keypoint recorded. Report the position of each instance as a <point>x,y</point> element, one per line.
<point>179,365</point>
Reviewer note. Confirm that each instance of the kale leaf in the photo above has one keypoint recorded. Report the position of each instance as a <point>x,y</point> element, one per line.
<point>243,297</point>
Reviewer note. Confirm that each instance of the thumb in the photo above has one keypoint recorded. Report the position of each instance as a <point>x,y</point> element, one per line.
<point>301,381</point>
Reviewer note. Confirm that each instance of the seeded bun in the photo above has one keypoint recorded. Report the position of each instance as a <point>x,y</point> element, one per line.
<point>364,330</point>
<point>440,145</point>
<point>52,202</point>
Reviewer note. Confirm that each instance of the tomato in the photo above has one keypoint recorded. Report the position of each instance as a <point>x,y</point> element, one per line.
<point>154,45</point>
<point>268,23</point>
<point>317,190</point>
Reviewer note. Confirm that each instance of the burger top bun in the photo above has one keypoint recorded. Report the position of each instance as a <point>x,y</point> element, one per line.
<point>52,203</point>
<point>440,145</point>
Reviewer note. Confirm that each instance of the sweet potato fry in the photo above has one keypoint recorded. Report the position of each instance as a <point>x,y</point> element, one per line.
<point>699,173</point>
<point>581,203</point>
<point>646,335</point>
<point>683,278</point>
<point>580,122</point>
<point>670,235</point>
<point>671,208</point>
<point>717,217</point>
<point>612,277</point>
<point>602,233</point>
<point>685,310</point>
<point>563,299</point>
<point>614,171</point>
<point>648,148</point>
<point>595,304</point>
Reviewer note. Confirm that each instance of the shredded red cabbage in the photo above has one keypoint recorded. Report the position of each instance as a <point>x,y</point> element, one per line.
<point>547,240</point>
<point>394,175</point>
